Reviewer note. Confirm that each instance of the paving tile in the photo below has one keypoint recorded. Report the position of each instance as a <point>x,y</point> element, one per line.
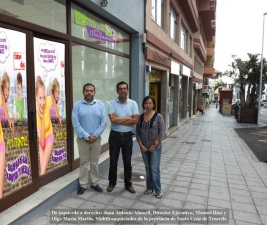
<point>143,206</point>
<point>194,206</point>
<point>202,172</point>
<point>220,179</point>
<point>91,205</point>
<point>167,175</point>
<point>200,181</point>
<point>185,174</point>
<point>260,201</point>
<point>242,199</point>
<point>258,189</point>
<point>264,219</point>
<point>197,192</point>
<point>219,203</point>
<point>180,183</point>
<point>165,180</point>
<point>174,203</point>
<point>178,189</point>
<point>218,183</point>
<point>72,202</point>
<point>196,199</point>
<point>222,196</point>
<point>219,189</point>
<point>175,195</point>
<point>258,195</point>
<point>238,186</point>
<point>256,184</point>
<point>236,181</point>
<point>149,199</point>
<point>106,198</point>
<point>42,220</point>
<point>244,207</point>
<point>123,202</point>
<point>262,210</point>
<point>203,167</point>
<point>201,176</point>
<point>199,186</point>
<point>235,177</point>
<point>239,192</point>
<point>181,178</point>
<point>237,222</point>
<point>246,217</point>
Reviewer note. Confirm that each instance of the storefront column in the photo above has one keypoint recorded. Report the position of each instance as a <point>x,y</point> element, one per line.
<point>176,101</point>
<point>190,99</point>
<point>187,98</point>
<point>164,98</point>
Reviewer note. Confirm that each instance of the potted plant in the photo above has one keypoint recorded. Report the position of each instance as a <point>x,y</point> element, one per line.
<point>246,74</point>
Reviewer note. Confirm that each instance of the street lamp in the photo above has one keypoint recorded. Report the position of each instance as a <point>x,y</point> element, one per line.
<point>260,82</point>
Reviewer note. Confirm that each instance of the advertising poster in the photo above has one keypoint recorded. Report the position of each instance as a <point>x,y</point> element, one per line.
<point>49,67</point>
<point>95,30</point>
<point>15,165</point>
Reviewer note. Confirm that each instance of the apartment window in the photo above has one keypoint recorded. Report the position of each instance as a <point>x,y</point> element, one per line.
<point>173,24</point>
<point>184,38</point>
<point>158,11</point>
<point>190,46</point>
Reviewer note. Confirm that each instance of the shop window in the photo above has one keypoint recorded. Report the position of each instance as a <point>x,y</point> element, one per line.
<point>50,13</point>
<point>102,69</point>
<point>89,27</point>
<point>49,67</point>
<point>15,160</point>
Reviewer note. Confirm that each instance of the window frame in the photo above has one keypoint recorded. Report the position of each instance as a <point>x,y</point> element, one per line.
<point>157,12</point>
<point>173,24</point>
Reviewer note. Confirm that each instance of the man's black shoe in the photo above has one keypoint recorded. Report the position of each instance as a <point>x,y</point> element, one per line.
<point>110,187</point>
<point>97,188</point>
<point>131,189</point>
<point>80,190</point>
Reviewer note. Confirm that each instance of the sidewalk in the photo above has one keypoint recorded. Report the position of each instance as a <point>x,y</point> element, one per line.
<point>204,166</point>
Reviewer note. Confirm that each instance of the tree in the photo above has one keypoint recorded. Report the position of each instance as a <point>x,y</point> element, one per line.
<point>246,73</point>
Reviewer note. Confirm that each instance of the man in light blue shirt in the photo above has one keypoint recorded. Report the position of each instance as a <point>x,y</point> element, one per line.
<point>123,114</point>
<point>89,121</point>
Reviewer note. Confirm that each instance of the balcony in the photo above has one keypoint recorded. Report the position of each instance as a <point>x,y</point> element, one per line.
<point>207,11</point>
<point>199,46</point>
<point>209,71</point>
<point>190,11</point>
<point>210,52</point>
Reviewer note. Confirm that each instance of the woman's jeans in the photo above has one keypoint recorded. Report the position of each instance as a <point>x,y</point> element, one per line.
<point>152,165</point>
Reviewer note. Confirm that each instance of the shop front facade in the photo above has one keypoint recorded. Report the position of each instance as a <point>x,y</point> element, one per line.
<point>179,48</point>
<point>169,56</point>
<point>48,51</point>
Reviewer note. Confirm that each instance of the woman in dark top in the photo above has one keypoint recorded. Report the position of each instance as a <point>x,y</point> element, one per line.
<point>149,133</point>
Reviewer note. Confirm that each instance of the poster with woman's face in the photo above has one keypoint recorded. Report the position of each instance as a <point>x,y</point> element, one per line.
<point>49,67</point>
<point>15,166</point>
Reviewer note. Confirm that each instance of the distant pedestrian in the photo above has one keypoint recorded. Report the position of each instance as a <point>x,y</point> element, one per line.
<point>123,114</point>
<point>199,108</point>
<point>149,133</point>
<point>207,104</point>
<point>89,121</point>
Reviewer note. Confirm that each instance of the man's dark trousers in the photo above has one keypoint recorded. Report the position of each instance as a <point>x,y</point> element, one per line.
<point>123,141</point>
